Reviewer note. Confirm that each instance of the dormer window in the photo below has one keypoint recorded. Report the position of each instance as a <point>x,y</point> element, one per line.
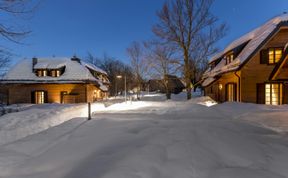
<point>55,73</point>
<point>49,72</point>
<point>229,58</point>
<point>41,73</point>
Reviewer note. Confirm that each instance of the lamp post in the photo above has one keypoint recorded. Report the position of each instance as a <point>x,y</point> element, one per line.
<point>125,86</point>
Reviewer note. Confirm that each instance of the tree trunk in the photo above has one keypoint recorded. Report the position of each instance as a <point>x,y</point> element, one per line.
<point>187,74</point>
<point>168,94</point>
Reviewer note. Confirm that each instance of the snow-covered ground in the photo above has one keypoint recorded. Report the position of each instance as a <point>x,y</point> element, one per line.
<point>152,138</point>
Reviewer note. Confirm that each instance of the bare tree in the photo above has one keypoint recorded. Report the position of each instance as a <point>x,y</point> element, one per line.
<point>13,10</point>
<point>114,68</point>
<point>138,64</point>
<point>162,63</point>
<point>183,23</point>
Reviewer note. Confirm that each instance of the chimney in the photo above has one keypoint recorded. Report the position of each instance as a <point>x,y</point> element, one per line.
<point>34,62</point>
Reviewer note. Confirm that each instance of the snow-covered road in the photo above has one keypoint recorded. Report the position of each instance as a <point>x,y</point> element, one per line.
<point>156,140</point>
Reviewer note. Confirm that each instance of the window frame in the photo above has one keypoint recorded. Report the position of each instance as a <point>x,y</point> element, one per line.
<point>43,95</point>
<point>229,57</point>
<point>271,94</point>
<point>274,55</point>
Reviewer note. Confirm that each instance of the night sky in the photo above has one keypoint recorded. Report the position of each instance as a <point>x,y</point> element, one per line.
<point>68,27</point>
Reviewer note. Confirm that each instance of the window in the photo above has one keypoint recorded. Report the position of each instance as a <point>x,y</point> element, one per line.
<point>274,55</point>
<point>39,97</point>
<point>229,58</point>
<point>273,94</point>
<point>55,73</point>
<point>41,73</point>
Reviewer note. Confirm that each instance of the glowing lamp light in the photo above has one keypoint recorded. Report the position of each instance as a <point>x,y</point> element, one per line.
<point>119,76</point>
<point>220,86</point>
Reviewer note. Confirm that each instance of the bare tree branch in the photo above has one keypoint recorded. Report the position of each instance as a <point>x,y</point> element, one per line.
<point>189,25</point>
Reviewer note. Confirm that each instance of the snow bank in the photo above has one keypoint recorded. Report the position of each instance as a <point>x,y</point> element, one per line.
<point>36,119</point>
<point>271,117</point>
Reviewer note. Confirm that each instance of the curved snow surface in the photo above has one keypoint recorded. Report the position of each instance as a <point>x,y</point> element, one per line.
<point>152,139</point>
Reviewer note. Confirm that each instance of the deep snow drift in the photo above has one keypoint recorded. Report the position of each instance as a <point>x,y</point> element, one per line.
<point>154,139</point>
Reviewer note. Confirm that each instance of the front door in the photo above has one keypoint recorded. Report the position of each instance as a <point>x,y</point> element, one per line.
<point>231,94</point>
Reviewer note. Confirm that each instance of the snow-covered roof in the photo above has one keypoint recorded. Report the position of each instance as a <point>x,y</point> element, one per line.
<point>93,67</point>
<point>75,71</point>
<point>253,39</point>
<point>50,64</point>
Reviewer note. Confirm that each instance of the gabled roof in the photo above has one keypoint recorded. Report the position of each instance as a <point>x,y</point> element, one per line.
<point>254,39</point>
<point>75,71</point>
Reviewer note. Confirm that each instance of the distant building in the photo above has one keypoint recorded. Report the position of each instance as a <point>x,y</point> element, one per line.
<point>254,68</point>
<point>175,85</point>
<point>54,80</point>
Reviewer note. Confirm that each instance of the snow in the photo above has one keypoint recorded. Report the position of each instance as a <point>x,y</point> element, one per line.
<point>208,81</point>
<point>50,64</point>
<point>74,71</point>
<point>93,67</point>
<point>152,138</point>
<point>103,87</point>
<point>255,38</point>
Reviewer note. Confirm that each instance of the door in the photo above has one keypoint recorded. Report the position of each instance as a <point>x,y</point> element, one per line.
<point>62,95</point>
<point>260,93</point>
<point>231,92</point>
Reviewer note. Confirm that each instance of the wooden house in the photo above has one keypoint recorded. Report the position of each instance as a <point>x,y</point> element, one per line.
<point>54,80</point>
<point>175,85</point>
<point>252,69</point>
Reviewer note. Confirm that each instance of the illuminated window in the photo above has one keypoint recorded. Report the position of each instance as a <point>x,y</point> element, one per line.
<point>41,73</point>
<point>275,55</point>
<point>39,97</point>
<point>231,92</point>
<point>273,94</point>
<point>229,58</point>
<point>55,73</point>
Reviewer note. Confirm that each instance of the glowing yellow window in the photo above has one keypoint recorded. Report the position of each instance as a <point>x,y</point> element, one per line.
<point>275,55</point>
<point>273,94</point>
<point>278,55</point>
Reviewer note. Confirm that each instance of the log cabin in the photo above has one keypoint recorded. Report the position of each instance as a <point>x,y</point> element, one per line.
<point>253,68</point>
<point>54,80</point>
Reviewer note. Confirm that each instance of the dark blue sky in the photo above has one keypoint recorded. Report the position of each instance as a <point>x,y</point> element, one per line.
<point>67,27</point>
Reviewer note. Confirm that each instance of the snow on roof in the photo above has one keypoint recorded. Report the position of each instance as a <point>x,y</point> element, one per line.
<point>208,81</point>
<point>74,71</point>
<point>49,64</point>
<point>93,67</point>
<point>103,88</point>
<point>254,38</point>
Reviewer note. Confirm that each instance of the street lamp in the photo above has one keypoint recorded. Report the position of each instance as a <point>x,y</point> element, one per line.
<point>125,85</point>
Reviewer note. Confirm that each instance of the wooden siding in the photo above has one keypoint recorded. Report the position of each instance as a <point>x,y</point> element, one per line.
<point>254,73</point>
<point>80,93</point>
<point>220,95</point>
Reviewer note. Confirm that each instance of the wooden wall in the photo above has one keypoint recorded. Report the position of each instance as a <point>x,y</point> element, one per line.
<point>253,72</point>
<point>220,95</point>
<point>82,93</point>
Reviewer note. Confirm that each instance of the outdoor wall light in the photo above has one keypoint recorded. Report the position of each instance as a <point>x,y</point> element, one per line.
<point>220,86</point>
